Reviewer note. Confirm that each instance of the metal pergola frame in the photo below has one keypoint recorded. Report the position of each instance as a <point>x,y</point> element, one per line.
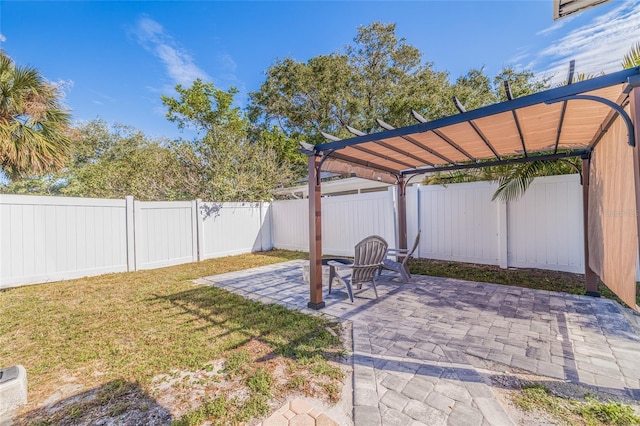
<point>403,171</point>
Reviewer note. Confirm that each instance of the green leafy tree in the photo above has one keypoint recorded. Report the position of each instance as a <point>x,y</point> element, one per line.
<point>378,76</point>
<point>302,98</point>
<point>33,124</point>
<point>285,147</point>
<point>111,162</point>
<point>223,164</point>
<point>474,90</point>
<point>522,83</point>
<point>116,161</point>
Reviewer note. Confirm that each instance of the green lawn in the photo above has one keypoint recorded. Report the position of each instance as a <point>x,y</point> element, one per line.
<point>128,339</point>
<point>116,332</point>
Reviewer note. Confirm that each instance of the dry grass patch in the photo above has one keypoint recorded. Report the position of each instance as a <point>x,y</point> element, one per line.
<point>587,411</point>
<point>116,336</point>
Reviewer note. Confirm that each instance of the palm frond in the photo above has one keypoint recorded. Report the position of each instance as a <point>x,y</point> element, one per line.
<point>632,58</point>
<point>34,125</point>
<point>514,179</point>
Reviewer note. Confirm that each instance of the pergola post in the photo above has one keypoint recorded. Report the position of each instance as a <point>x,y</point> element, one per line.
<point>402,212</point>
<point>591,279</point>
<point>634,105</point>
<point>315,234</point>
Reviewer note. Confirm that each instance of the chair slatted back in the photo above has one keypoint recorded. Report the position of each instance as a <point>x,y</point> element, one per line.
<point>369,254</point>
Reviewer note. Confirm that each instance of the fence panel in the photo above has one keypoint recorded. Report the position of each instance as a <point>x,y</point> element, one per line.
<point>290,224</point>
<point>234,228</point>
<point>164,233</point>
<point>545,226</point>
<point>348,219</point>
<point>56,238</point>
<point>459,222</point>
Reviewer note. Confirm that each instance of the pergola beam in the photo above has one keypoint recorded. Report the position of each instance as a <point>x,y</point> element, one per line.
<point>560,124</point>
<point>572,68</point>
<point>507,89</point>
<point>608,121</point>
<point>342,167</point>
<point>340,156</point>
<point>547,157</point>
<point>484,138</point>
<point>373,153</point>
<point>415,142</point>
<point>453,144</point>
<point>481,135</point>
<point>391,147</point>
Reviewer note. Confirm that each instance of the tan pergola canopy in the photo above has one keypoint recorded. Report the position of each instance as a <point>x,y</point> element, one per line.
<point>555,122</point>
<point>567,121</point>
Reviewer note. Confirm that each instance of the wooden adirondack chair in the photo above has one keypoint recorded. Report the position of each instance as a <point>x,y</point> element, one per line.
<point>400,266</point>
<point>369,254</point>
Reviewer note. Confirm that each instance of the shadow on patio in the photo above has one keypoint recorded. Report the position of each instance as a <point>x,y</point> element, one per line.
<point>416,327</point>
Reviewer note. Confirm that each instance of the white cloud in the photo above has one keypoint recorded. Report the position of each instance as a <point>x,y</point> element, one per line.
<point>596,47</point>
<point>520,55</point>
<point>2,38</point>
<point>228,63</point>
<point>556,26</point>
<point>102,97</point>
<point>178,63</point>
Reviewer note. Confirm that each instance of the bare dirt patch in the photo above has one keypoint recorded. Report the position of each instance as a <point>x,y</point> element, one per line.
<point>171,396</point>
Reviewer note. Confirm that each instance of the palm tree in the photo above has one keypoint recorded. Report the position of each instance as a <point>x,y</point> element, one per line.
<point>34,136</point>
<point>632,58</point>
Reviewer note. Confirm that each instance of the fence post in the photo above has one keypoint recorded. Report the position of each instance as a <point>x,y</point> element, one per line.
<point>137,229</point>
<point>419,218</point>
<point>391,191</point>
<point>503,237</point>
<point>130,233</point>
<point>198,240</point>
<point>265,227</point>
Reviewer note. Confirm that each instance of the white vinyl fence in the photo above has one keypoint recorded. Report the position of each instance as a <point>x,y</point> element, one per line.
<point>459,222</point>
<point>542,229</point>
<point>54,238</point>
<point>346,220</point>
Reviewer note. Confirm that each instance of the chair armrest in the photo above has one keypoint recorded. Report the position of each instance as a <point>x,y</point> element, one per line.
<point>339,265</point>
<point>374,265</point>
<point>400,251</point>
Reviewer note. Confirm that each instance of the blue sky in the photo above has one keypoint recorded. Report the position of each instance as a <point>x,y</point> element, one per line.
<point>115,59</point>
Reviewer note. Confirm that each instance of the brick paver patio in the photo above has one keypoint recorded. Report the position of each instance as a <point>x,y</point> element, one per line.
<point>413,346</point>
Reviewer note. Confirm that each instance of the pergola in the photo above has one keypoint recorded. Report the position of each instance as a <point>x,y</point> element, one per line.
<point>592,119</point>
